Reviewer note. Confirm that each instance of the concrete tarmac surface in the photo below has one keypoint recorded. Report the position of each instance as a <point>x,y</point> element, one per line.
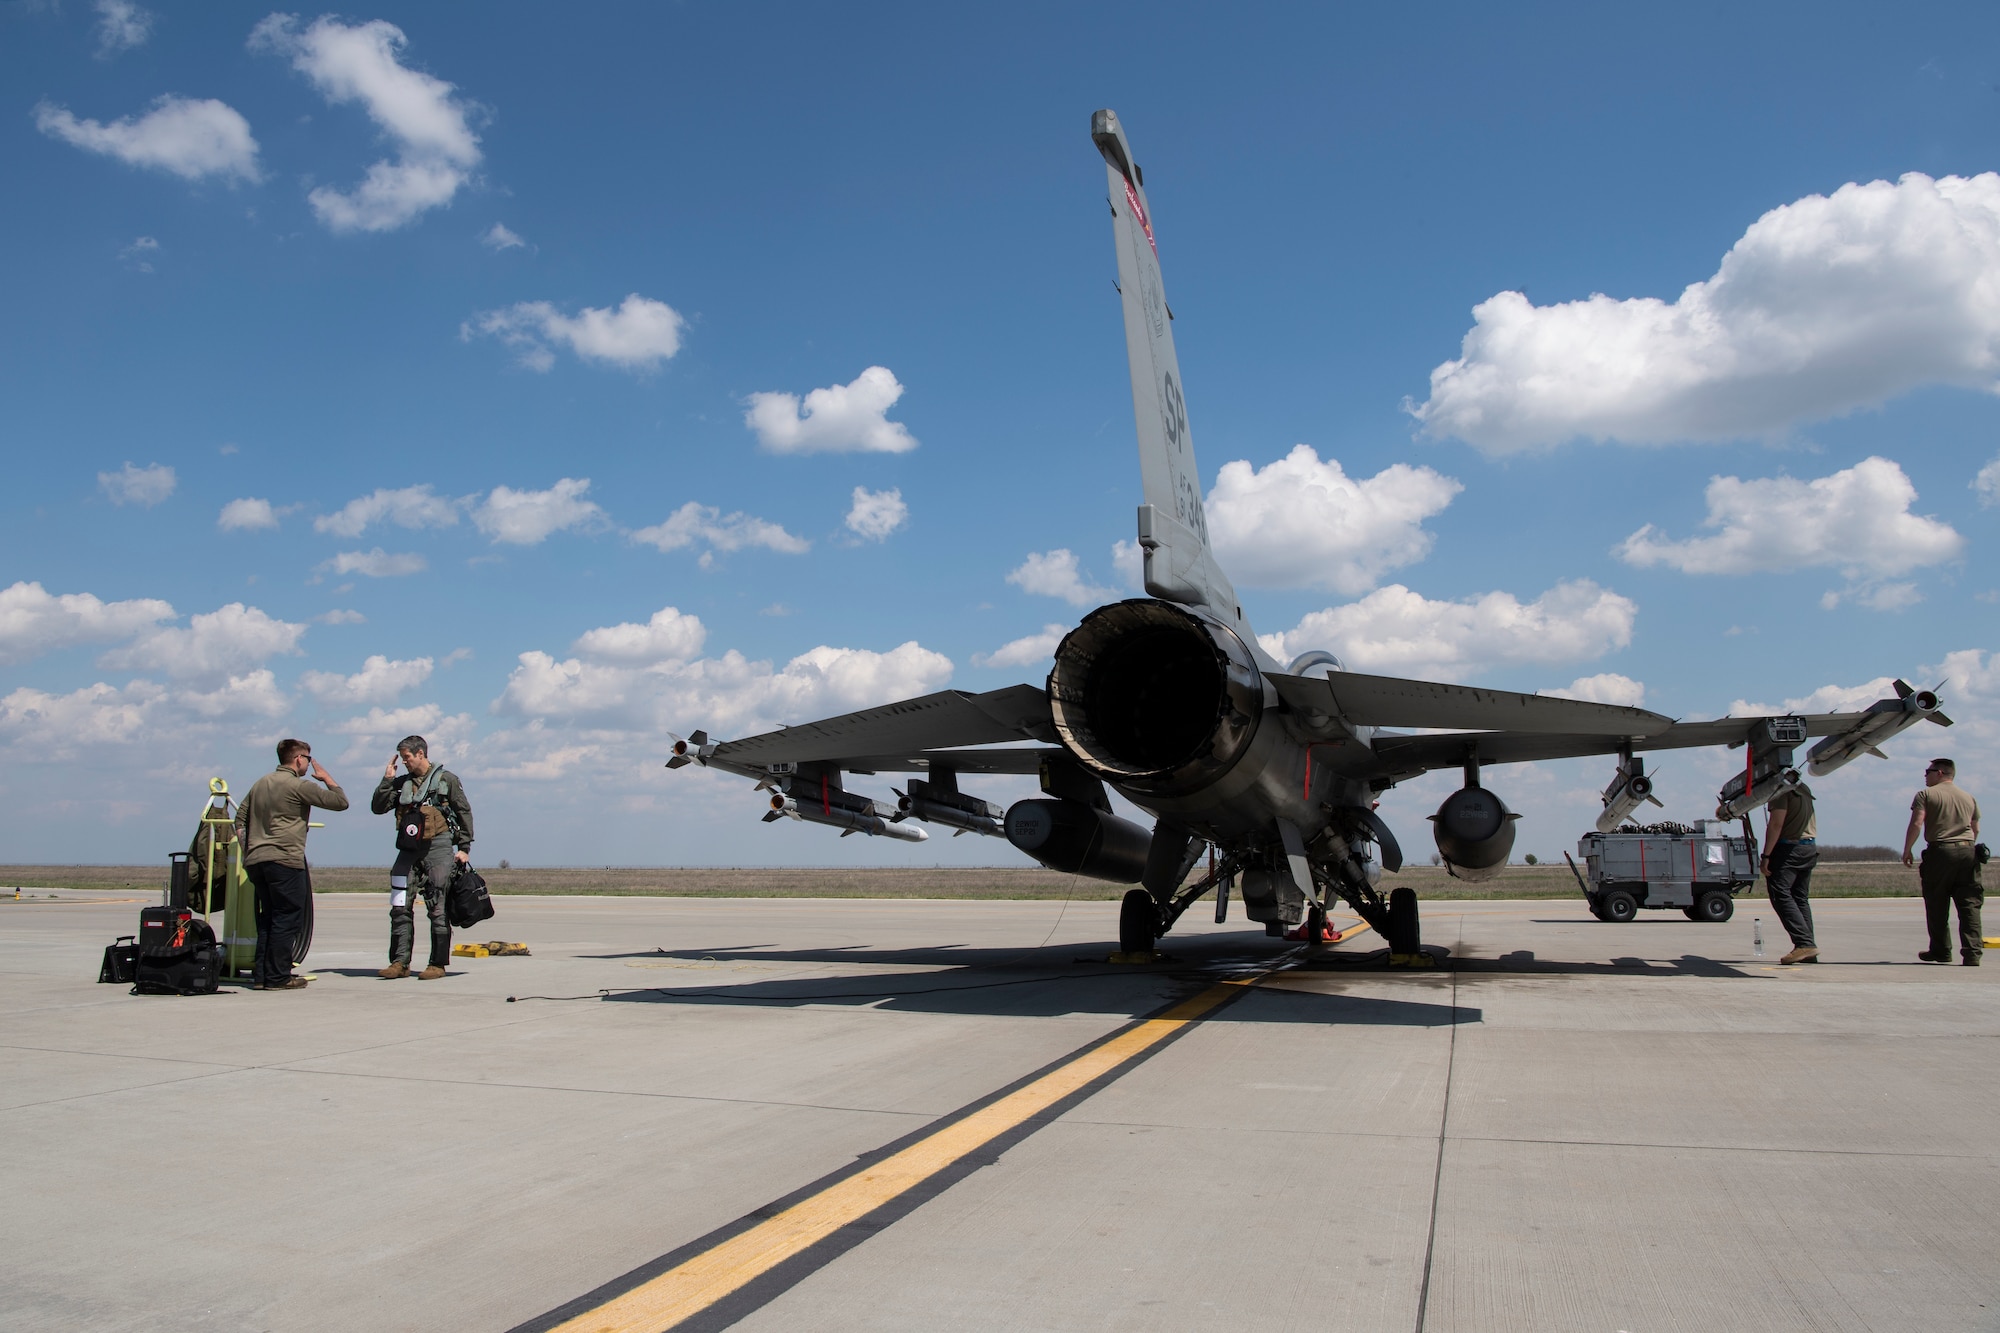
<point>1569,1125</point>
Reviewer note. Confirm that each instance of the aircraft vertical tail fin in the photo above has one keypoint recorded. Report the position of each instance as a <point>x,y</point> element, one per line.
<point>1173,529</point>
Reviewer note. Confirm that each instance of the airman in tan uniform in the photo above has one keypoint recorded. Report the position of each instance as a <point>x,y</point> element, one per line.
<point>1948,817</point>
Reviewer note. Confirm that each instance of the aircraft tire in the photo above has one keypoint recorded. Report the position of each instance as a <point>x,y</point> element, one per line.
<point>1405,932</point>
<point>1138,922</point>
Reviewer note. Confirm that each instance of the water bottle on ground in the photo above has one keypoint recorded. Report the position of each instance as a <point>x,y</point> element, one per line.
<point>1757,936</point>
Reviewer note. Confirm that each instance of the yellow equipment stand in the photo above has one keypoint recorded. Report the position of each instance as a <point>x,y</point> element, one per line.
<point>238,935</point>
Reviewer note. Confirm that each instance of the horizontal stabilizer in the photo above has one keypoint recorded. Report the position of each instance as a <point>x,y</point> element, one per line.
<point>1388,701</point>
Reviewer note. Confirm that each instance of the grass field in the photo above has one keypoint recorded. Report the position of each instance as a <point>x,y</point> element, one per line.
<point>1862,879</point>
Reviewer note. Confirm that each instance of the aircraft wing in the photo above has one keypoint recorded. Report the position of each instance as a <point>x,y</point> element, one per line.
<point>896,737</point>
<point>1389,701</point>
<point>1409,755</point>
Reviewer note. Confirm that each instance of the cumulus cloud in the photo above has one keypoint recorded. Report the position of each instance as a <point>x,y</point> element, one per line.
<point>1396,631</point>
<point>876,514</point>
<point>420,113</point>
<point>218,643</point>
<point>253,694</point>
<point>379,681</point>
<point>1825,305</point>
<point>639,335</point>
<point>377,564</point>
<point>372,733</point>
<point>142,486</point>
<point>1054,574</point>
<point>1605,688</point>
<point>56,727</point>
<point>1303,523</point>
<point>1857,520</point>
<point>1986,484</point>
<point>410,507</point>
<point>502,237</point>
<point>121,25</point>
<point>33,621</point>
<point>1030,650</point>
<point>669,636</point>
<point>188,137</point>
<point>1825,699</point>
<point>1129,559</point>
<point>247,515</point>
<point>526,518</point>
<point>841,418</point>
<point>699,523</point>
<point>94,715</point>
<point>729,694</point>
<point>1971,673</point>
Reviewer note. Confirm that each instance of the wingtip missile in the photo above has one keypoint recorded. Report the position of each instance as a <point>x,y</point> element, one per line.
<point>1875,725</point>
<point>693,749</point>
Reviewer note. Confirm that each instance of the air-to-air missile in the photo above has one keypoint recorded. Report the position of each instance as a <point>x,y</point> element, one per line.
<point>845,810</point>
<point>1630,788</point>
<point>1878,723</point>
<point>936,803</point>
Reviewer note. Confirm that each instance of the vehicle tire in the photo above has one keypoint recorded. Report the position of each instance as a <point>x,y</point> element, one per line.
<point>1314,930</point>
<point>1405,933</point>
<point>1619,906</point>
<point>1138,922</point>
<point>1597,910</point>
<point>1714,907</point>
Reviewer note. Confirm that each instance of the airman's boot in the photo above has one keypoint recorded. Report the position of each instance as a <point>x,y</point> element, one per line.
<point>394,971</point>
<point>431,973</point>
<point>1803,954</point>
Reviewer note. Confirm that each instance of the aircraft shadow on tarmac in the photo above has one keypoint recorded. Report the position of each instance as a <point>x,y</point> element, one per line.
<point>1523,962</point>
<point>1039,982</point>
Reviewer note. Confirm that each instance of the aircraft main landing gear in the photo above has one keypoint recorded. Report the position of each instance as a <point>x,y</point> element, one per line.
<point>1138,923</point>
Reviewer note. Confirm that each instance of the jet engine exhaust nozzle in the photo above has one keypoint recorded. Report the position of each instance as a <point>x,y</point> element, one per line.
<point>1155,697</point>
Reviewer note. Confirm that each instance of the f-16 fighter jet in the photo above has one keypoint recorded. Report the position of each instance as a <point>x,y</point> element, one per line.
<point>1275,767</point>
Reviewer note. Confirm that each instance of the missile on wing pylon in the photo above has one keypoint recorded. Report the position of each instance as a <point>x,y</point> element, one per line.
<point>1882,720</point>
<point>1764,791</point>
<point>845,811</point>
<point>1630,788</point>
<point>938,803</point>
<point>695,749</point>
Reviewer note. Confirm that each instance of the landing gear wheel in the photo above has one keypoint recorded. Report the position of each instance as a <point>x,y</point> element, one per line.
<point>1619,907</point>
<point>1713,906</point>
<point>1314,931</point>
<point>1138,922</point>
<point>1405,935</point>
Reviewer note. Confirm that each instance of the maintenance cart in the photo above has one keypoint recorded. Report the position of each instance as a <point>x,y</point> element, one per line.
<point>1698,868</point>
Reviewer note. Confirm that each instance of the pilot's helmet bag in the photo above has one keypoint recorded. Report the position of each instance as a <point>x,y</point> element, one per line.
<point>417,821</point>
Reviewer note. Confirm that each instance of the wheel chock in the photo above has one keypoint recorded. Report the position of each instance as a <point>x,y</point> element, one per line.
<point>1137,959</point>
<point>490,949</point>
<point>1414,960</point>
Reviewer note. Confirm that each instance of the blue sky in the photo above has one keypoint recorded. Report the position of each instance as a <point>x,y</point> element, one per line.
<point>464,260</point>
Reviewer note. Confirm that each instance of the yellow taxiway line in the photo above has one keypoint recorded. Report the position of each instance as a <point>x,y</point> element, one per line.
<point>715,1273</point>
